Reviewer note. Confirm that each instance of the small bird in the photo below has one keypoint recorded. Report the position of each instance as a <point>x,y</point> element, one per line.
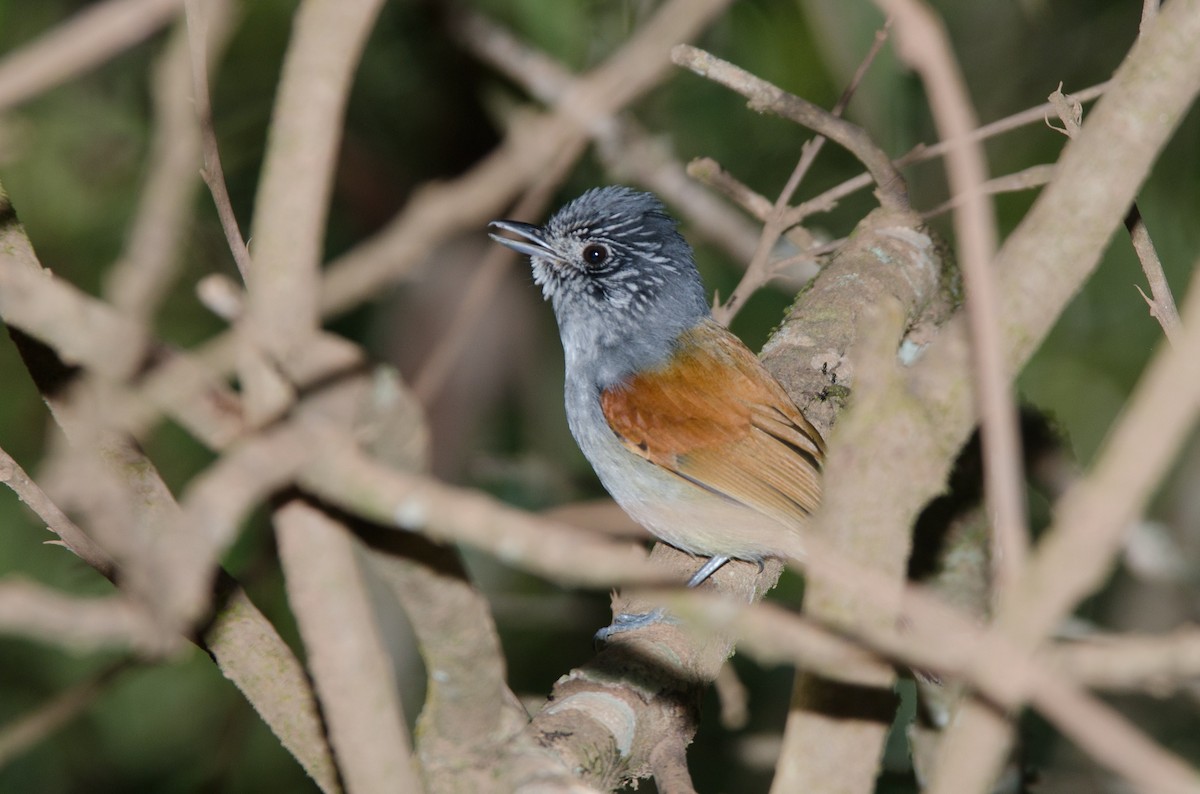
<point>684,426</point>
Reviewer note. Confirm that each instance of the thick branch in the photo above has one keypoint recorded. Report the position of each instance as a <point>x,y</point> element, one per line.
<point>346,655</point>
<point>923,43</point>
<point>293,196</point>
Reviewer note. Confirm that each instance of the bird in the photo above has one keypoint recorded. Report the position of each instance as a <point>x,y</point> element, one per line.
<point>683,425</point>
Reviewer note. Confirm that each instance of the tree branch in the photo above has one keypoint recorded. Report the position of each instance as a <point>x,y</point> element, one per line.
<point>764,97</point>
<point>69,49</point>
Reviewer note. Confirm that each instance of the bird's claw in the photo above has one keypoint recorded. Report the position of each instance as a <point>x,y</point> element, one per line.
<point>627,621</point>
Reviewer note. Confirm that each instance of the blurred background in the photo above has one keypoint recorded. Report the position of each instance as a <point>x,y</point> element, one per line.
<point>73,161</point>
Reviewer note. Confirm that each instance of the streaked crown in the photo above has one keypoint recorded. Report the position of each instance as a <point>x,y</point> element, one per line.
<point>616,251</point>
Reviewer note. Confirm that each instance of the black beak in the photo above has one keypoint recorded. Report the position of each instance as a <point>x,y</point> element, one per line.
<point>532,242</point>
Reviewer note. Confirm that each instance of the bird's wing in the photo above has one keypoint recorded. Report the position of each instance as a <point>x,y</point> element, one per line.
<point>716,417</point>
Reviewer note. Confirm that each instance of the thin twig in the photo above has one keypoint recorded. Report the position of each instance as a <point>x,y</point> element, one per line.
<point>71,536</point>
<point>1162,305</point>
<point>199,37</point>
<point>26,731</point>
<point>765,97</point>
<point>709,172</point>
<point>926,152</point>
<point>759,271</point>
<point>1025,179</point>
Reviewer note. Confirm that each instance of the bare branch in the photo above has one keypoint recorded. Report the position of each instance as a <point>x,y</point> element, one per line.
<point>765,97</point>
<point>74,538</point>
<point>1025,179</point>
<point>940,639</point>
<point>139,279</point>
<point>243,643</point>
<point>1162,304</point>
<point>260,664</point>
<point>1158,665</point>
<point>29,729</point>
<point>925,153</point>
<point>71,48</point>
<point>202,19</point>
<point>1098,175</point>
<point>759,271</point>
<point>85,331</point>
<point>1077,551</point>
<point>43,613</point>
<point>923,43</point>
<point>282,308</point>
<point>349,664</point>
<point>343,476</point>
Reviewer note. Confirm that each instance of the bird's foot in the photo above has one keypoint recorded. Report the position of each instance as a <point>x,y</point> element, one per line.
<point>627,621</point>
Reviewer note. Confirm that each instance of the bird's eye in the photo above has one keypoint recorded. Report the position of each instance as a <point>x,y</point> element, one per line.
<point>595,255</point>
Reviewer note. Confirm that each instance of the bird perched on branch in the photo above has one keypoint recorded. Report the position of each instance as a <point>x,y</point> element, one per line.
<point>686,429</point>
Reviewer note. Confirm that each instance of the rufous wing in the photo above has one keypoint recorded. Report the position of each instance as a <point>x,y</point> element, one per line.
<point>713,415</point>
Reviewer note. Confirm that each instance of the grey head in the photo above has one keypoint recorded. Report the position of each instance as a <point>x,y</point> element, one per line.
<point>620,277</point>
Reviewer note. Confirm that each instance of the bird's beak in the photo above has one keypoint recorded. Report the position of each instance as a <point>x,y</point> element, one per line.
<point>532,242</point>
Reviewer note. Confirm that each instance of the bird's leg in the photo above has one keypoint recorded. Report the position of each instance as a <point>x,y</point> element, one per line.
<point>629,621</point>
<point>707,570</point>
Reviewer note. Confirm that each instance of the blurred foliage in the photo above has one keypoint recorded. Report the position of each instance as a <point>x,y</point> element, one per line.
<point>73,160</point>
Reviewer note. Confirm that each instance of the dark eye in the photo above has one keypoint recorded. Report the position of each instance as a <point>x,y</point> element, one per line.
<point>595,255</point>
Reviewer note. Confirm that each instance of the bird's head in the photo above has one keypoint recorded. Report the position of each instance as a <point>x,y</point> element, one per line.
<point>619,275</point>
